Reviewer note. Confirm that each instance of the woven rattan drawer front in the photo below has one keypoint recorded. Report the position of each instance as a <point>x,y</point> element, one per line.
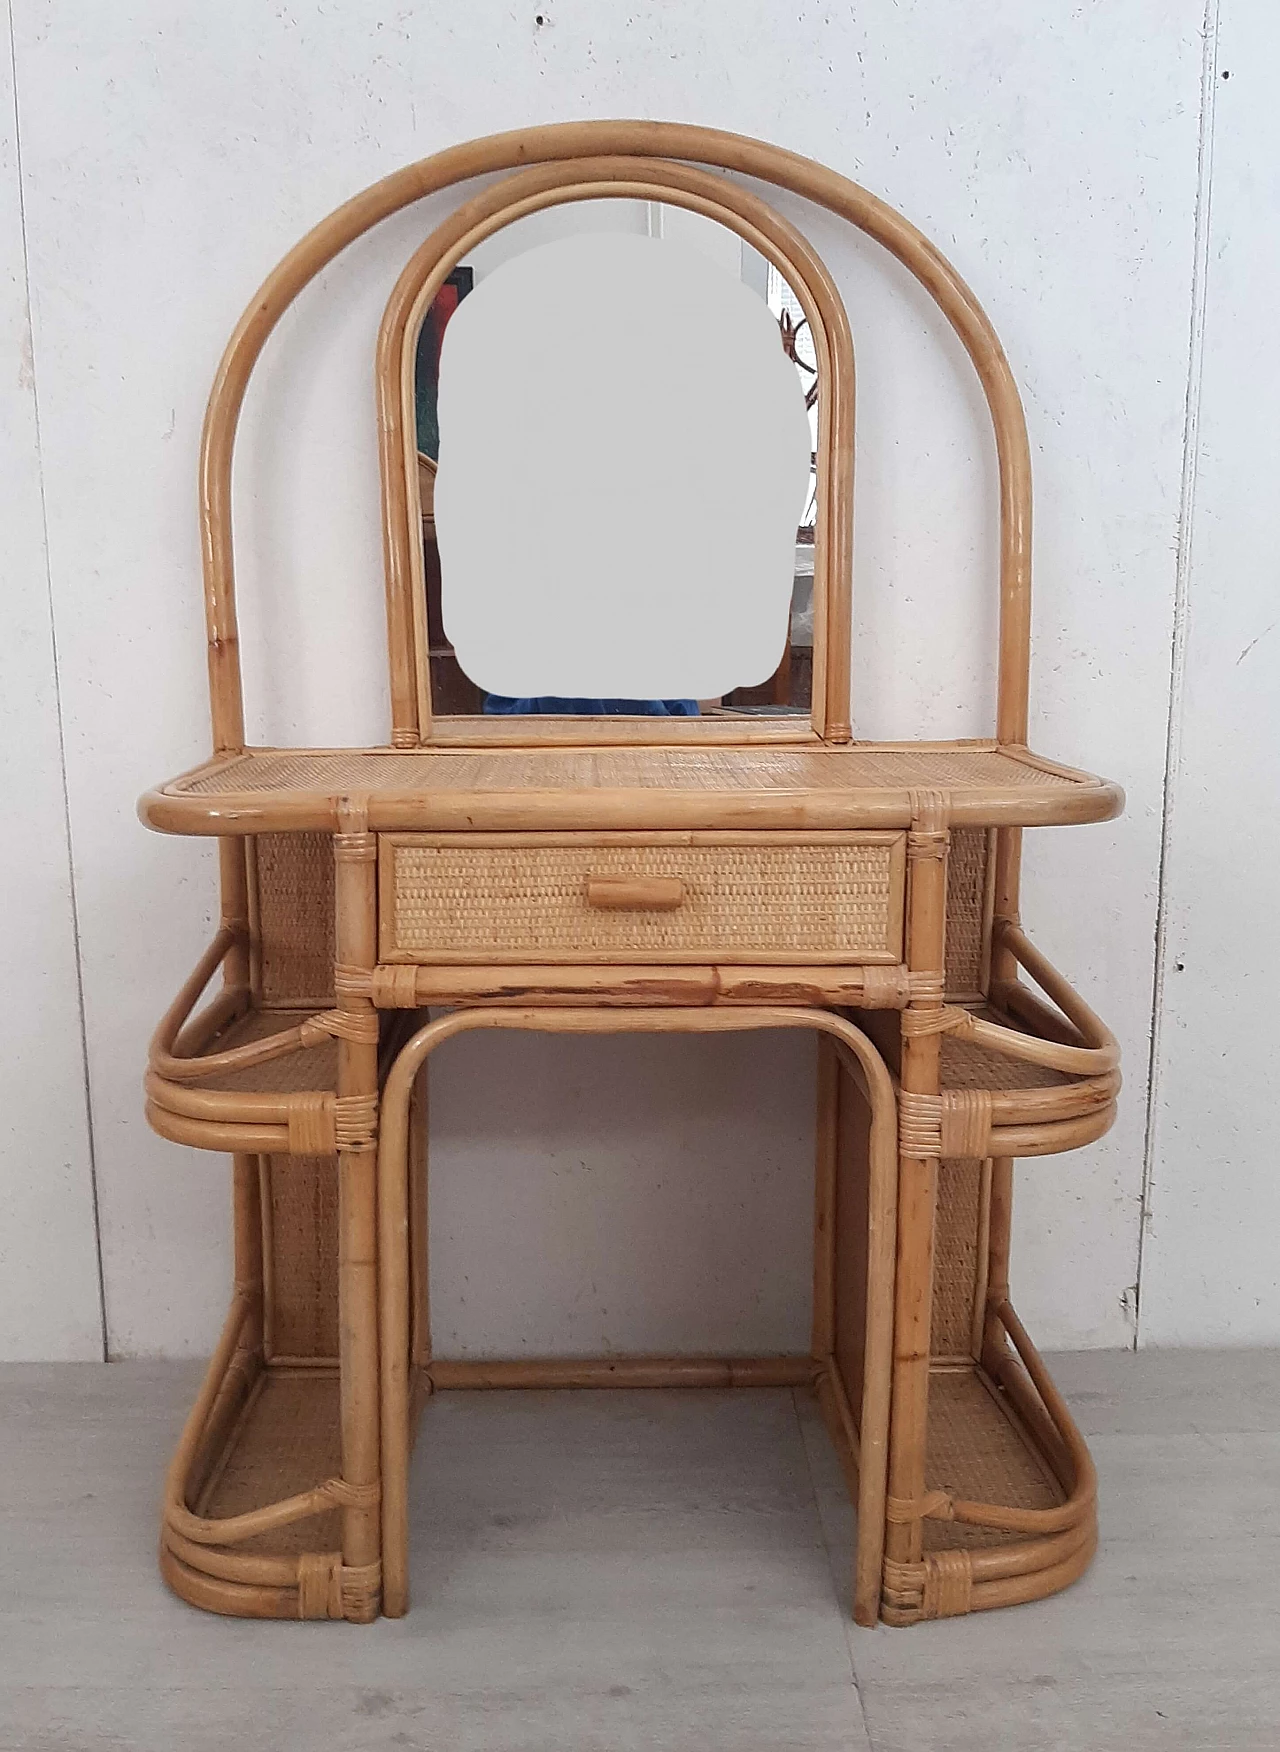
<point>766,897</point>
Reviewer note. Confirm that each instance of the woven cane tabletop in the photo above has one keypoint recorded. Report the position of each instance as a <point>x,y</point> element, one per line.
<point>770,788</point>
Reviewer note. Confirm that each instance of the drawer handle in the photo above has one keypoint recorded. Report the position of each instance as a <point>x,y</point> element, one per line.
<point>635,893</point>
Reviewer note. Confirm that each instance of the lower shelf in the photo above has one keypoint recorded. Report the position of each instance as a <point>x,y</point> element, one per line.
<point>253,1515</point>
<point>285,1441</point>
<point>978,1450</point>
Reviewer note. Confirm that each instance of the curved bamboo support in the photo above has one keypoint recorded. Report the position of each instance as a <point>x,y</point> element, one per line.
<point>1101,1051</point>
<point>174,1054</point>
<point>1052,1137</point>
<point>225,1136</point>
<point>567,142</point>
<point>393,1251</point>
<point>172,1023</point>
<point>613,178</point>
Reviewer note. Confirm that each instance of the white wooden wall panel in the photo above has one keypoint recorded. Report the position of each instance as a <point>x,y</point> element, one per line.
<point>1212,1259</point>
<point>49,1303</point>
<point>172,153</point>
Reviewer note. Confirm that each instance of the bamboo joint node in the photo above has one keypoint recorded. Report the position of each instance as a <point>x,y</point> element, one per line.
<point>946,1020</point>
<point>355,1126</point>
<point>355,848</point>
<point>919,1124</point>
<point>352,984</point>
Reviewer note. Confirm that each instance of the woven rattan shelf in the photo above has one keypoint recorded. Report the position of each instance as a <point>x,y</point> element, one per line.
<point>589,874</point>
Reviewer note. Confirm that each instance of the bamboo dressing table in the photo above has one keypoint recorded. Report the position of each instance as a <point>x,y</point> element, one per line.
<point>625,875</point>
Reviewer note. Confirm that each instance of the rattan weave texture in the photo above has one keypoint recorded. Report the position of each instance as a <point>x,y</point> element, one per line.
<point>310,1067</point>
<point>761,899</point>
<point>966,894</point>
<point>956,1256</point>
<point>301,1209</point>
<point>974,1452</point>
<point>968,1065</point>
<point>623,768</point>
<point>295,918</point>
<point>287,1441</point>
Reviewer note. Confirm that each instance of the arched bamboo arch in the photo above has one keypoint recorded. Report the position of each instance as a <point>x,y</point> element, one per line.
<point>565,143</point>
<point>634,179</point>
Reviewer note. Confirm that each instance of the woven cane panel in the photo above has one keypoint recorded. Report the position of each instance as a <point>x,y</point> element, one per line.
<point>955,1260</point>
<point>311,1067</point>
<point>295,918</point>
<point>695,769</point>
<point>974,1452</point>
<point>288,1442</point>
<point>835,900</point>
<point>966,905</point>
<point>967,1065</point>
<point>302,1208</point>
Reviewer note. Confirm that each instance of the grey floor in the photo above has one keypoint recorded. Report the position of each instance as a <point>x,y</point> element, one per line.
<point>608,1571</point>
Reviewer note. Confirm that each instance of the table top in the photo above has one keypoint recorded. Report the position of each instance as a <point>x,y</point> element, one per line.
<point>859,785</point>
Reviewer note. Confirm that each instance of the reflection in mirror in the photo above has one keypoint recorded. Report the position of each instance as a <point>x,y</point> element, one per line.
<point>616,435</point>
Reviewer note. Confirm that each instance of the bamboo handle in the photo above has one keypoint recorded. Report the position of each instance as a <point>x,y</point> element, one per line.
<point>635,893</point>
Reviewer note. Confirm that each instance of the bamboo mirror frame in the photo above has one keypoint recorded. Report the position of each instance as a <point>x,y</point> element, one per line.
<point>780,244</point>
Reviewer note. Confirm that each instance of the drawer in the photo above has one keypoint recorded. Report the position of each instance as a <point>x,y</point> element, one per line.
<point>673,897</point>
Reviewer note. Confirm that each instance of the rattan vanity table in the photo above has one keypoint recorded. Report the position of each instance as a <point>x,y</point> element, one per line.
<point>622,875</point>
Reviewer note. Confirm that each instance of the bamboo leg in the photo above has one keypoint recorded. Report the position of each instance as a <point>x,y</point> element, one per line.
<point>993,1345</point>
<point>355,938</point>
<point>824,1203</point>
<point>1004,969</point>
<point>247,1245</point>
<point>395,1314</point>
<point>919,1148</point>
<point>395,1276</point>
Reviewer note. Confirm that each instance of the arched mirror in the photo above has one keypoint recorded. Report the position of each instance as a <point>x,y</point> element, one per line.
<point>613,413</point>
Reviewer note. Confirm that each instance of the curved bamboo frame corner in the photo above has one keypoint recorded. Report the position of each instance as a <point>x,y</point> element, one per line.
<point>587,179</point>
<point>566,143</point>
<point>238,1121</point>
<point>394,1264</point>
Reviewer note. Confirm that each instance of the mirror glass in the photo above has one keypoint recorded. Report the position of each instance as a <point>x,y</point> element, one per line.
<point>616,418</point>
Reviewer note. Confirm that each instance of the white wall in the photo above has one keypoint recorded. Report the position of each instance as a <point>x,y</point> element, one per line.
<point>49,1302</point>
<point>1212,1253</point>
<point>171,153</point>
